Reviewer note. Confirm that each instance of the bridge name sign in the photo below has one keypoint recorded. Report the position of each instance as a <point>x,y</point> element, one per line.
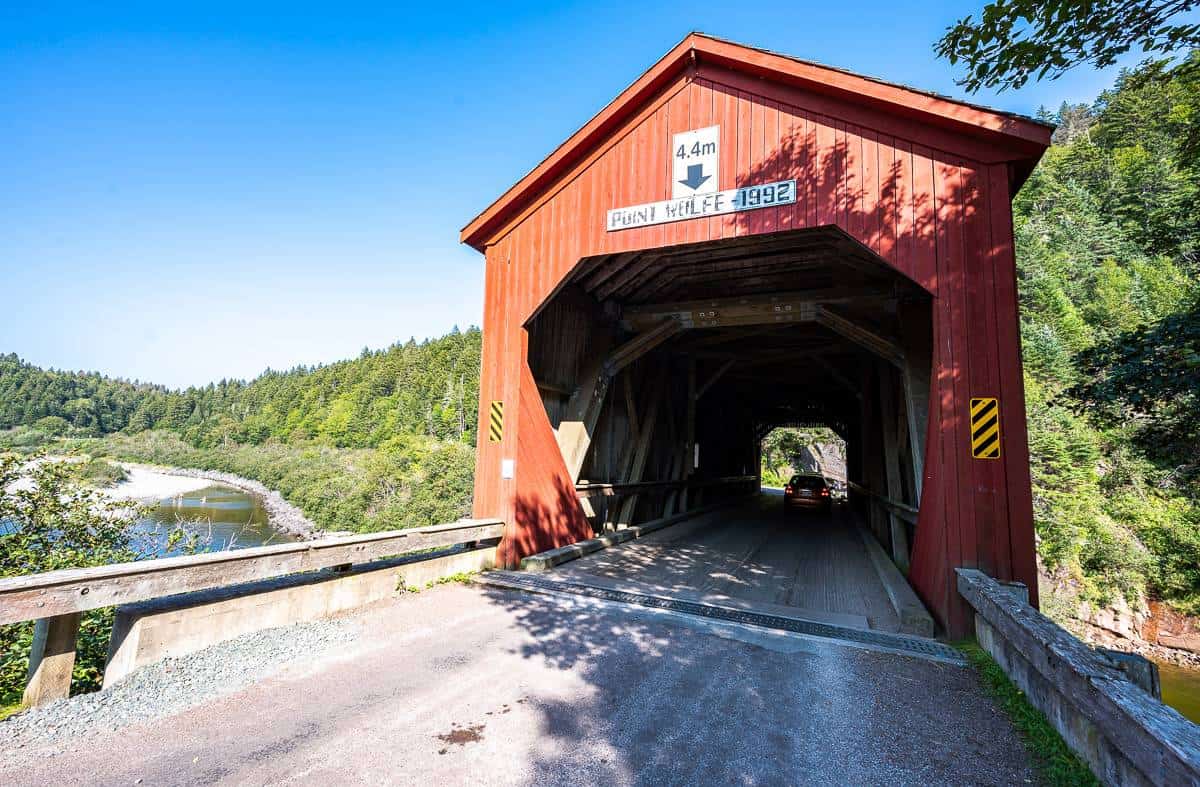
<point>717,203</point>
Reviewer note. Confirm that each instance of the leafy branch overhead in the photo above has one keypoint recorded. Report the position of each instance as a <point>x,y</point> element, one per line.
<point>1013,41</point>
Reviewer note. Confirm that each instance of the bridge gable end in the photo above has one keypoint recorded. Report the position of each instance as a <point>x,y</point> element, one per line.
<point>803,90</point>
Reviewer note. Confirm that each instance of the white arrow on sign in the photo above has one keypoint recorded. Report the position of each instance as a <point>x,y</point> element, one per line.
<point>694,161</point>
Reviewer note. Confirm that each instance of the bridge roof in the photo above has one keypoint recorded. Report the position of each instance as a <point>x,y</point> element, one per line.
<point>1024,136</point>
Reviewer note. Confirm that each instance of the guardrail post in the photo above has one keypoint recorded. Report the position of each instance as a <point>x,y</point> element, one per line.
<point>52,659</point>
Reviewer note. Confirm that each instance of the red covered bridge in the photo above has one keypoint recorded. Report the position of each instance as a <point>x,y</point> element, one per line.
<point>743,240</point>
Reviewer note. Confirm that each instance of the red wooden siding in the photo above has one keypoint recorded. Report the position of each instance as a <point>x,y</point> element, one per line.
<point>932,203</point>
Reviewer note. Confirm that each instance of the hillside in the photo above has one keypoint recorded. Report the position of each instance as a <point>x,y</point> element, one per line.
<point>84,401</point>
<point>378,442</point>
<point>1107,240</point>
<point>428,389</point>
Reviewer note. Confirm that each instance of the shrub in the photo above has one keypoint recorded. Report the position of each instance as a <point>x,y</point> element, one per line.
<point>100,473</point>
<point>56,522</point>
<point>53,425</point>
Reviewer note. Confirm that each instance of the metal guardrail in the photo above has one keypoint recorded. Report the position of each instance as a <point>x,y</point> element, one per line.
<point>55,599</point>
<point>80,589</point>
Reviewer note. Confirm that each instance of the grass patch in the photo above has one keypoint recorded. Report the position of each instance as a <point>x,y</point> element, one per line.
<point>1055,761</point>
<point>8,710</point>
<point>462,577</point>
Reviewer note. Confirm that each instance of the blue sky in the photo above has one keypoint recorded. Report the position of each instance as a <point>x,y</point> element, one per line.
<point>197,194</point>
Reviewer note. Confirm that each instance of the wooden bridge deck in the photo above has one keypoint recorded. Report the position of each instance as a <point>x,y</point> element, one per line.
<point>814,565</point>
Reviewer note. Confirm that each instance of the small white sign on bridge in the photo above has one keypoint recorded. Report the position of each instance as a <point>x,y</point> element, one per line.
<point>695,157</point>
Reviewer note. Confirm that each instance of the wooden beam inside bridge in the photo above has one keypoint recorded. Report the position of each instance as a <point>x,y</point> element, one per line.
<point>575,430</point>
<point>891,464</point>
<point>865,337</point>
<point>641,448</point>
<point>748,310</point>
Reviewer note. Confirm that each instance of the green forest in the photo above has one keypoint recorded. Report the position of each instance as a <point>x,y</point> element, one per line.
<point>379,442</point>
<point>1107,232</point>
<point>426,389</point>
<point>1108,238</point>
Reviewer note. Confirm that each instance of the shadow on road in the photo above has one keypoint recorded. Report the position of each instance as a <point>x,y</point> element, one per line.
<point>670,699</point>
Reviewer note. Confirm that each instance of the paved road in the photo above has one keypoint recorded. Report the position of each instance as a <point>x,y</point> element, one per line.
<point>464,685</point>
<point>807,560</point>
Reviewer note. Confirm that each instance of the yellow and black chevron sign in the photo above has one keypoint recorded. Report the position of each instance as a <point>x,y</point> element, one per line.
<point>985,427</point>
<point>496,424</point>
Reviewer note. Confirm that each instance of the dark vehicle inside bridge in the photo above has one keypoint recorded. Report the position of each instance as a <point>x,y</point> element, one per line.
<point>807,491</point>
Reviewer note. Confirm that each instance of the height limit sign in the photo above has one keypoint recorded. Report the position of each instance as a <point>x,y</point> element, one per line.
<point>694,157</point>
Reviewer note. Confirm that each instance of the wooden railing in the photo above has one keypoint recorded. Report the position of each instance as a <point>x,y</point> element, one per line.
<point>673,497</point>
<point>637,487</point>
<point>902,510</point>
<point>55,599</point>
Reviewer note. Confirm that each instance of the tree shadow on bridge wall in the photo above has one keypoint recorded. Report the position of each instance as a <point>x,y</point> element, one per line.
<point>927,214</point>
<point>879,204</point>
<point>547,522</point>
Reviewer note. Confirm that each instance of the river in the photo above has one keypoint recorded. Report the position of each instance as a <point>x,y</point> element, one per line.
<point>1181,689</point>
<point>223,517</point>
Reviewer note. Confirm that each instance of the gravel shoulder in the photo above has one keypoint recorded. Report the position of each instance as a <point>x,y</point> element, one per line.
<point>169,687</point>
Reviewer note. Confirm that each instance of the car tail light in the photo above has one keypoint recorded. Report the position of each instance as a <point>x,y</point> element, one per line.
<point>824,493</point>
<point>787,490</point>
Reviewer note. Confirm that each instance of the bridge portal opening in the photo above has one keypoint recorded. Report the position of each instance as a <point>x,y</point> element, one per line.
<point>662,372</point>
<point>802,448</point>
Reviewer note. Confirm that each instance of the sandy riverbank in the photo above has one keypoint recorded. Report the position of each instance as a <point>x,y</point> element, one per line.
<point>149,485</point>
<point>158,483</point>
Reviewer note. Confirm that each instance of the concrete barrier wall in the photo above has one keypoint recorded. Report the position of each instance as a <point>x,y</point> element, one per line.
<point>1124,734</point>
<point>174,626</point>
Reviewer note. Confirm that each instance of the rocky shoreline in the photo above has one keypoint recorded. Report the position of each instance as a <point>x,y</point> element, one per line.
<point>1147,628</point>
<point>1106,639</point>
<point>282,515</point>
<point>1155,632</point>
